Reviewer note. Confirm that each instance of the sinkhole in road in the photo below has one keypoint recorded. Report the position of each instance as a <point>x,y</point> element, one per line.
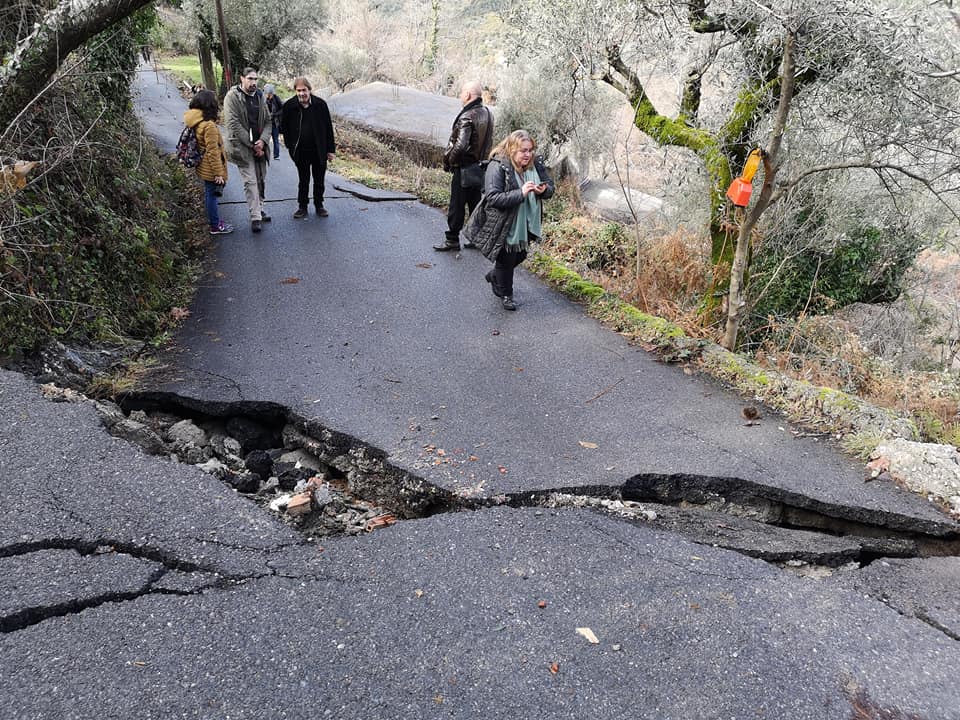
<point>327,483</point>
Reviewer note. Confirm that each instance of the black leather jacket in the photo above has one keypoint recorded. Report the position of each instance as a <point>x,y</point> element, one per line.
<point>471,137</point>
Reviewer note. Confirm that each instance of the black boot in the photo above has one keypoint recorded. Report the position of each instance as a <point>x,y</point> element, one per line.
<point>493,284</point>
<point>447,246</point>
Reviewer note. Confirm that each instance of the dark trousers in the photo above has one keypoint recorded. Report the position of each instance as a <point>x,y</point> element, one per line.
<point>276,138</point>
<point>460,199</point>
<point>503,269</point>
<point>307,164</point>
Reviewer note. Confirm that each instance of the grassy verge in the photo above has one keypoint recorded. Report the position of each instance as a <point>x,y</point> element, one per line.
<point>187,69</point>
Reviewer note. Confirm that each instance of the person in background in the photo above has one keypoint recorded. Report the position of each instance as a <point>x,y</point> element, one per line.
<point>202,116</point>
<point>273,105</point>
<point>308,134</point>
<point>470,141</point>
<point>247,122</point>
<point>510,217</point>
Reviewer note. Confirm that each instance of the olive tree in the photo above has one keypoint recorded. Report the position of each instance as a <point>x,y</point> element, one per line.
<point>38,40</point>
<point>273,35</point>
<point>861,87</point>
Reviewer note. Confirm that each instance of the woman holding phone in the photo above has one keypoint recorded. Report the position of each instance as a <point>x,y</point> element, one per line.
<point>510,216</point>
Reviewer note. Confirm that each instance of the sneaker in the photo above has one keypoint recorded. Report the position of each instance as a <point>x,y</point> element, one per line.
<point>508,303</point>
<point>264,217</point>
<point>300,213</point>
<point>221,229</point>
<point>322,211</point>
<point>255,226</point>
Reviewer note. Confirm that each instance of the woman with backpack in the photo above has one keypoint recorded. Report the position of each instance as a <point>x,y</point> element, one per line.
<point>202,117</point>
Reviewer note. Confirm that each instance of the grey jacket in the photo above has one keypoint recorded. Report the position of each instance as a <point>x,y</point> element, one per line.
<point>490,223</point>
<point>236,137</point>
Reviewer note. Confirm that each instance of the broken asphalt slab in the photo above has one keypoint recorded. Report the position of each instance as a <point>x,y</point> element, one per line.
<point>462,615</point>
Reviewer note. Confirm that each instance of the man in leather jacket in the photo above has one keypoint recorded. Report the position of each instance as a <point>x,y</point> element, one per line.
<point>470,142</point>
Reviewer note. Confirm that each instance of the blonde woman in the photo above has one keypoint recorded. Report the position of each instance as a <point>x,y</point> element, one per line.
<point>516,184</point>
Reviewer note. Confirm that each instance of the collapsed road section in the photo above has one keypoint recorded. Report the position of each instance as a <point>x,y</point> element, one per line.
<point>326,483</point>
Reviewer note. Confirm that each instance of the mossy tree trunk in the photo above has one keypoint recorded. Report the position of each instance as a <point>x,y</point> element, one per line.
<point>29,68</point>
<point>722,151</point>
<point>206,64</point>
<point>771,164</point>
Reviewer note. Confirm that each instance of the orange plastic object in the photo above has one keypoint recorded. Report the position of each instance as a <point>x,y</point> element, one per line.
<point>739,192</point>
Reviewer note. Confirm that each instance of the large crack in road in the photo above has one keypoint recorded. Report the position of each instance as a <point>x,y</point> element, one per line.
<point>775,525</point>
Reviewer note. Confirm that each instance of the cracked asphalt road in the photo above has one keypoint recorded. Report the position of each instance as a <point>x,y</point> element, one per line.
<point>207,607</point>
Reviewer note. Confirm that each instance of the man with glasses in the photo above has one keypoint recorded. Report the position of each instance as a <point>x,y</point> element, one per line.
<point>246,117</point>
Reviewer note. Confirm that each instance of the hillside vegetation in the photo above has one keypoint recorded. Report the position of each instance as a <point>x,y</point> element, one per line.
<point>95,247</point>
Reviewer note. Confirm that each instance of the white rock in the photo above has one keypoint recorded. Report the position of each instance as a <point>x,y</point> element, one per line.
<point>927,468</point>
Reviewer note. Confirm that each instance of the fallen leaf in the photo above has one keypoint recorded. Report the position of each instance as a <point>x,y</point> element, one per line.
<point>694,606</point>
<point>542,604</point>
<point>588,634</point>
<point>219,275</point>
<point>179,313</point>
<point>495,332</point>
<point>425,265</point>
<point>473,458</point>
<point>441,452</point>
<point>518,369</point>
<point>588,445</point>
<point>438,699</point>
<point>554,668</point>
<point>418,592</point>
<point>502,469</point>
<point>290,281</point>
<point>139,663</point>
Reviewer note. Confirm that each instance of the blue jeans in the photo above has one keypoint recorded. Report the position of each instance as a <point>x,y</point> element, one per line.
<point>276,139</point>
<point>210,199</point>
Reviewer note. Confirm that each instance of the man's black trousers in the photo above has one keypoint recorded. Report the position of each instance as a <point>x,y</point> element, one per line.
<point>310,163</point>
<point>460,199</point>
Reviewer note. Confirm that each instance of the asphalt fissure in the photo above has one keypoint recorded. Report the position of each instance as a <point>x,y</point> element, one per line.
<point>327,483</point>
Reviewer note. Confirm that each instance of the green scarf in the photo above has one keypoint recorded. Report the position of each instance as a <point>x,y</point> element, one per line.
<point>527,221</point>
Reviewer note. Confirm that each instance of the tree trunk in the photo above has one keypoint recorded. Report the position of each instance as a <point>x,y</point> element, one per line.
<point>27,70</point>
<point>206,64</point>
<point>736,298</point>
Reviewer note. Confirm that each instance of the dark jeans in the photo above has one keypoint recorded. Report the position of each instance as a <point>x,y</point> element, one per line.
<point>307,164</point>
<point>503,269</point>
<point>211,200</point>
<point>276,139</point>
<point>460,198</point>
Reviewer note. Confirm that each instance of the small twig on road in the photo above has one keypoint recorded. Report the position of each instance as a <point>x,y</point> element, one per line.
<point>604,391</point>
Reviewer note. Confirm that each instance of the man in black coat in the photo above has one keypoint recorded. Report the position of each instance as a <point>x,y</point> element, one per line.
<point>470,142</point>
<point>308,134</point>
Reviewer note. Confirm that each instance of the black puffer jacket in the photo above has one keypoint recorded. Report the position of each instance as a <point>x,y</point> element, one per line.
<point>490,224</point>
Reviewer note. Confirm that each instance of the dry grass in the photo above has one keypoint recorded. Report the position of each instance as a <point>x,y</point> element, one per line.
<point>827,352</point>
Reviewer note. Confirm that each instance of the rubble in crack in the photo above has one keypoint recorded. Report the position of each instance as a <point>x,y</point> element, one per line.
<point>271,465</point>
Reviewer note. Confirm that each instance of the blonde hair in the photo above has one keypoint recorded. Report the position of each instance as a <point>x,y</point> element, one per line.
<point>509,145</point>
